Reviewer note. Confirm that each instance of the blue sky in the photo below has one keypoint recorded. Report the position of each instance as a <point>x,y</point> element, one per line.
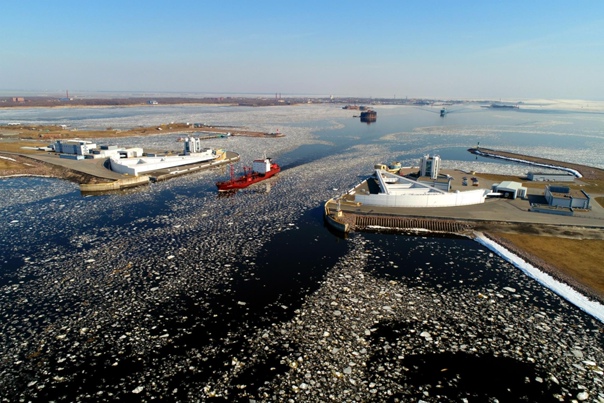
<point>452,49</point>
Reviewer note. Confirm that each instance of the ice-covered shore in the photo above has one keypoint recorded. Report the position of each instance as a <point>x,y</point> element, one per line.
<point>594,308</point>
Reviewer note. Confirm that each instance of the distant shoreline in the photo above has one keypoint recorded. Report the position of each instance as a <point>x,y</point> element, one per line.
<point>87,106</point>
<point>46,102</point>
<point>531,105</point>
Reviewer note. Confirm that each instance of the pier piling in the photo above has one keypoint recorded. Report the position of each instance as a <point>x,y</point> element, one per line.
<point>365,221</point>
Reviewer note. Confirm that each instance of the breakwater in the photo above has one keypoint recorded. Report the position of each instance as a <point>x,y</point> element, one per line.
<point>115,185</point>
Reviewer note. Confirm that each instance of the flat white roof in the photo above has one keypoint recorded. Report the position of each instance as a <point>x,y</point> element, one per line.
<point>550,173</point>
<point>510,185</point>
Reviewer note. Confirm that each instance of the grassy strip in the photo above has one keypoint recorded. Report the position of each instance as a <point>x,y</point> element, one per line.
<point>576,259</point>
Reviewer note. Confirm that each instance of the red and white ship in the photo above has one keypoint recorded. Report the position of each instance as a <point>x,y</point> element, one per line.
<point>260,170</point>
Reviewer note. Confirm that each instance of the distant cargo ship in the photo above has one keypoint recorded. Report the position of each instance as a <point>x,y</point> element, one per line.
<point>369,116</point>
<point>261,170</point>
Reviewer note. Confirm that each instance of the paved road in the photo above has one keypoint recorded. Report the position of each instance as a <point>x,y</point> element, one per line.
<point>94,167</point>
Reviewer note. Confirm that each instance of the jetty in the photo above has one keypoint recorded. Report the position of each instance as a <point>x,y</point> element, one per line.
<point>95,177</point>
<point>346,214</point>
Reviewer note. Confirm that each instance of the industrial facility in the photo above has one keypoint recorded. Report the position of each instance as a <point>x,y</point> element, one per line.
<point>133,161</point>
<point>81,149</point>
<point>193,153</point>
<point>425,188</point>
<point>138,166</point>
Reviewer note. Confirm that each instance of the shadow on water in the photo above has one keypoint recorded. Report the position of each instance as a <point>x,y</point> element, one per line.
<point>452,376</point>
<point>209,330</point>
<point>284,274</point>
<point>285,271</point>
<point>429,259</point>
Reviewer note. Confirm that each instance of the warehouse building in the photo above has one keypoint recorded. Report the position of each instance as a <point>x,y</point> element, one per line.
<point>510,190</point>
<point>550,177</point>
<point>115,152</point>
<point>74,147</point>
<point>563,196</point>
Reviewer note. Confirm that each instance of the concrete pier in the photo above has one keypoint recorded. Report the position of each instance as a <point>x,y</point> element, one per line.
<point>448,226</point>
<point>110,181</point>
<point>455,219</point>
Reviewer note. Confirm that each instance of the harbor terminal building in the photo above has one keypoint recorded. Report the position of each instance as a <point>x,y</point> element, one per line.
<point>133,161</point>
<point>427,187</point>
<point>386,189</point>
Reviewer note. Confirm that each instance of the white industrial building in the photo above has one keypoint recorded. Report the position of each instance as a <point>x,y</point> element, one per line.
<point>550,177</point>
<point>115,152</point>
<point>510,190</point>
<point>398,191</point>
<point>74,147</point>
<point>131,161</point>
<point>88,149</point>
<point>137,166</point>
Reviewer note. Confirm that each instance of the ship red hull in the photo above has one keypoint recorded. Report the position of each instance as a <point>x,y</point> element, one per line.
<point>247,179</point>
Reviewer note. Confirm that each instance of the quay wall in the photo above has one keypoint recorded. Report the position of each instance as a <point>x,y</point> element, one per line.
<point>223,160</point>
<point>435,225</point>
<point>346,222</point>
<point>115,185</point>
<point>423,200</point>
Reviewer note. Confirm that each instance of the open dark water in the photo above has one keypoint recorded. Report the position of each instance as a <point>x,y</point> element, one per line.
<point>172,293</point>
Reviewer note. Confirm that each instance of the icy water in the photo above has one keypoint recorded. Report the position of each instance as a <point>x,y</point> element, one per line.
<point>170,292</point>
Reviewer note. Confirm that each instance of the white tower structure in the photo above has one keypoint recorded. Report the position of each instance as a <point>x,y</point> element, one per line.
<point>192,145</point>
<point>429,166</point>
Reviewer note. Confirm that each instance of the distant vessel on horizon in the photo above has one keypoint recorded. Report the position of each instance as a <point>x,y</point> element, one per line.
<point>502,106</point>
<point>368,116</point>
